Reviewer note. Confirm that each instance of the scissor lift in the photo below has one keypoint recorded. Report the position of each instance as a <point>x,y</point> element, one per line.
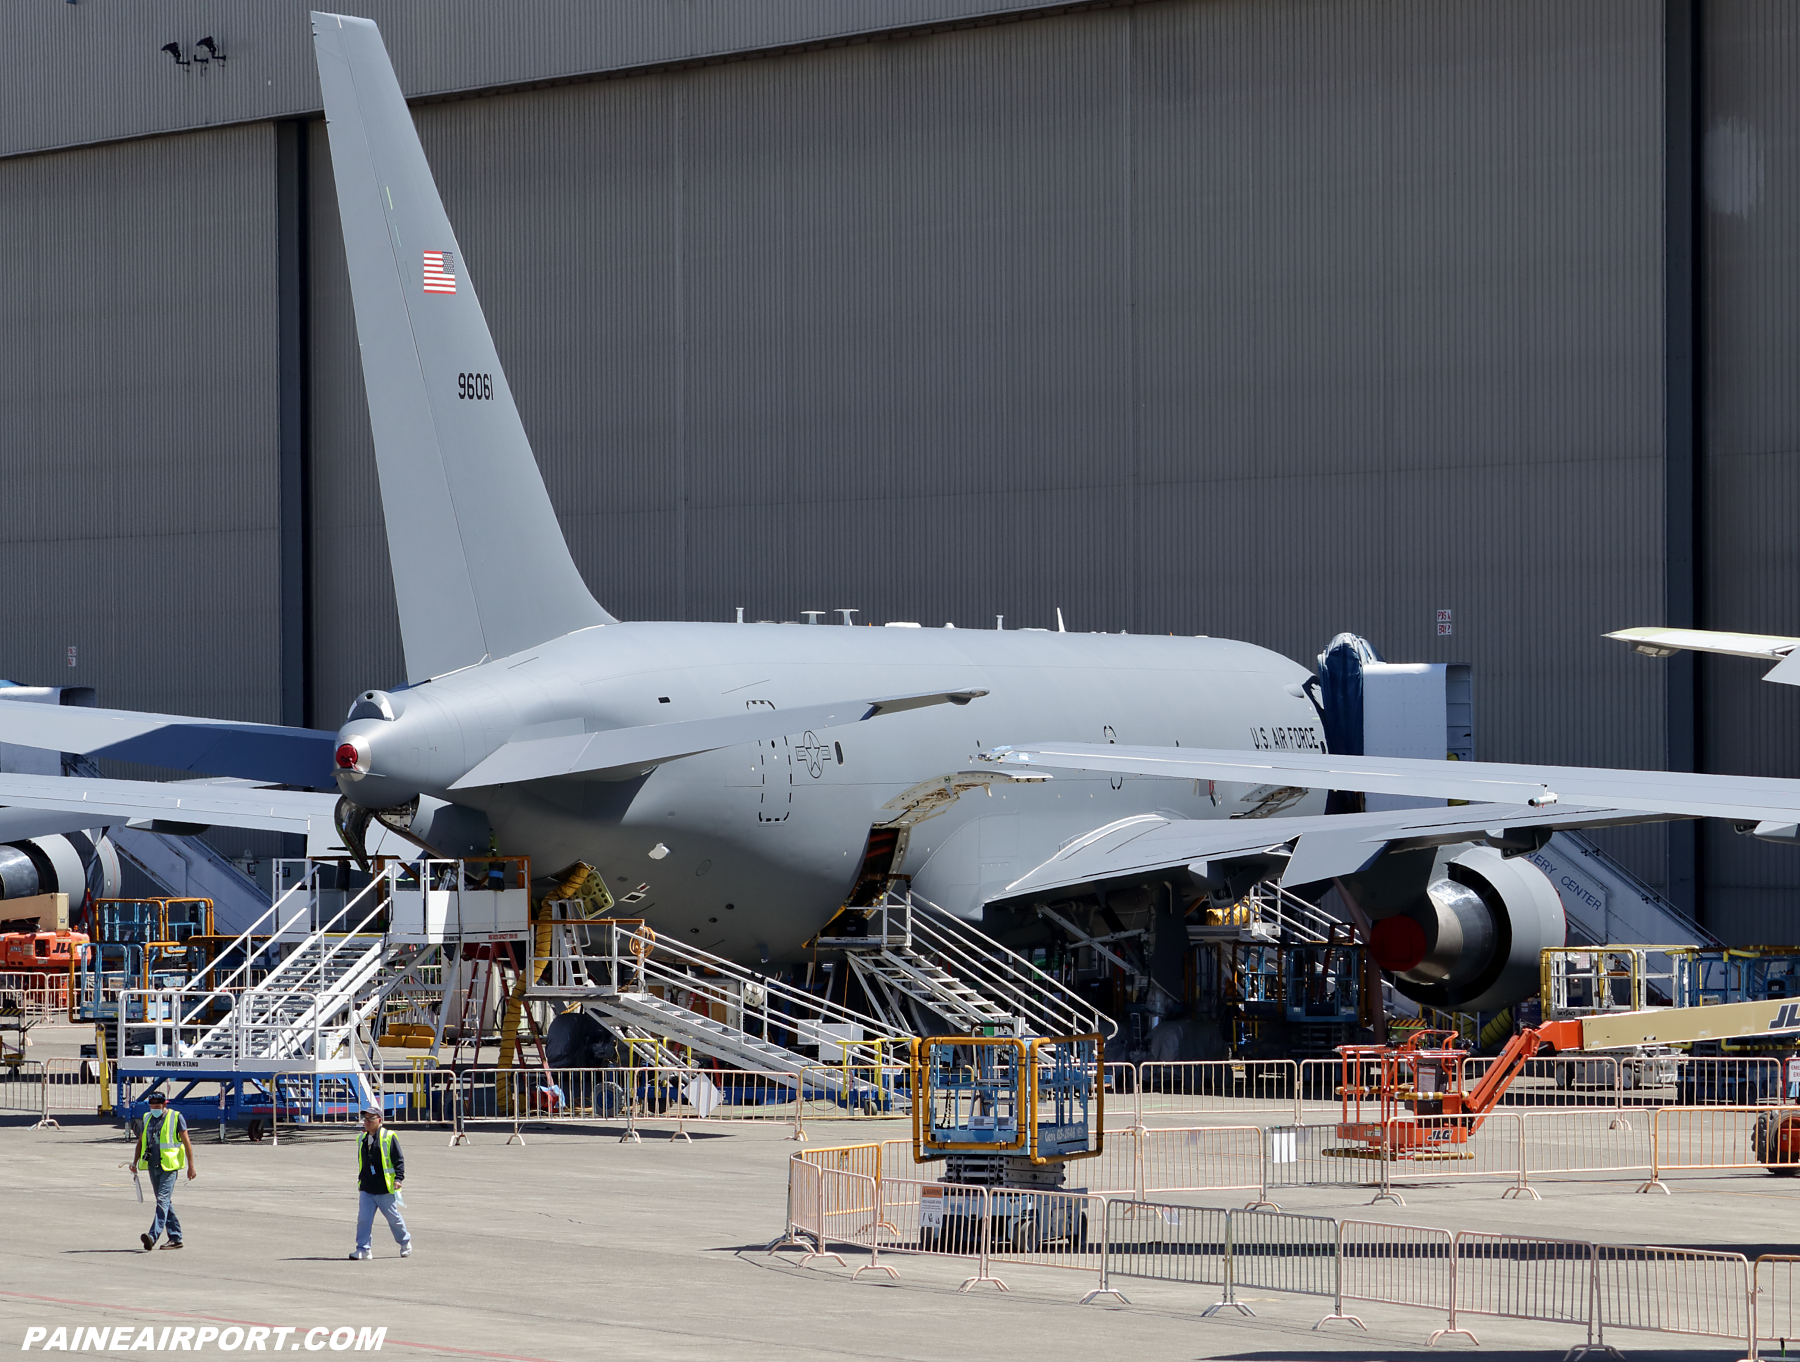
<point>139,944</point>
<point>1006,1115</point>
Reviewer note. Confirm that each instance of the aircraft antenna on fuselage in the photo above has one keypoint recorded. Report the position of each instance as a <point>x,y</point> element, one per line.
<point>480,566</point>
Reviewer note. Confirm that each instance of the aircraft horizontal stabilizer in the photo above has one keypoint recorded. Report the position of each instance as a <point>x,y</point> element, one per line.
<point>1316,848</point>
<point>99,803</point>
<point>1657,642</point>
<point>219,747</point>
<point>1668,794</point>
<point>620,753</point>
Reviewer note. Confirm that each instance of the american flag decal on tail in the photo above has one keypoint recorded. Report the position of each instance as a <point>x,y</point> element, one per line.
<point>438,278</point>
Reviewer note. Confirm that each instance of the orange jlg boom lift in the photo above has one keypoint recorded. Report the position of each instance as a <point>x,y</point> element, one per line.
<point>1411,1096</point>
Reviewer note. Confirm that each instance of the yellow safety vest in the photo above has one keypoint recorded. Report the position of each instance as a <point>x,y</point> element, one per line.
<point>173,1155</point>
<point>387,1156</point>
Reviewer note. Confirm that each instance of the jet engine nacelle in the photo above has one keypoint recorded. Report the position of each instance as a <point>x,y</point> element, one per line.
<point>1472,941</point>
<point>69,863</point>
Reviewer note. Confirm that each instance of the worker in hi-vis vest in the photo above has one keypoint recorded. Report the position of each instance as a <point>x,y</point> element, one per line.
<point>163,1151</point>
<point>380,1169</point>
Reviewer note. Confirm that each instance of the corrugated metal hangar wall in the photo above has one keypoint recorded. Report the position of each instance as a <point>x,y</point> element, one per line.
<point>1260,318</point>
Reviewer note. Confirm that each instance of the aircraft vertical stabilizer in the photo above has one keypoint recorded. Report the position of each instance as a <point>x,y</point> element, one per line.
<point>480,566</point>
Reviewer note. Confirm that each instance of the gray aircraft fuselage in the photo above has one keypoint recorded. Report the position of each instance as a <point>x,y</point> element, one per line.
<point>764,840</point>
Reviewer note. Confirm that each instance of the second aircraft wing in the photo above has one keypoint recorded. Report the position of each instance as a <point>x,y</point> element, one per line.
<point>98,802</point>
<point>215,747</point>
<point>1666,794</point>
<point>1305,850</point>
<point>1659,642</point>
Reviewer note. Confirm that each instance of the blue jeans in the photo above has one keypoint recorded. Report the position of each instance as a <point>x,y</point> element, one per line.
<point>367,1204</point>
<point>162,1182</point>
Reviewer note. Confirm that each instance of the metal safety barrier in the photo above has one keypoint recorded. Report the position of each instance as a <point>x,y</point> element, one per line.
<point>1458,1275</point>
<point>717,1096</point>
<point>1561,1081</point>
<point>1197,1158</point>
<point>1322,1084</point>
<point>850,1213</point>
<point>1138,1162</point>
<point>1711,1138</point>
<point>1774,1295</point>
<point>806,1210</point>
<point>38,995</point>
<point>1663,1080</point>
<point>912,1210</point>
<point>417,1093</point>
<point>1046,1228</point>
<point>1120,1081</point>
<point>1392,1265</point>
<point>1316,1156</point>
<point>1517,1276</point>
<point>949,1219</point>
<point>71,1088</point>
<point>850,1092</point>
<point>1218,1085</point>
<point>22,1086</point>
<point>1118,1168</point>
<point>638,1096</point>
<point>863,1159</point>
<point>1165,1243</point>
<point>1440,1148</point>
<point>1154,1089</point>
<point>1584,1141</point>
<point>1279,1251</point>
<point>1671,1291</point>
<point>832,1205</point>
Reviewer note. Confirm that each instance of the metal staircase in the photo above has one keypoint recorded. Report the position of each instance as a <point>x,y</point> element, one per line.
<point>924,969</point>
<point>282,1006</point>
<point>1605,902</point>
<point>1268,913</point>
<point>661,993</point>
<point>306,976</point>
<point>322,988</point>
<point>284,1001</point>
<point>572,946</point>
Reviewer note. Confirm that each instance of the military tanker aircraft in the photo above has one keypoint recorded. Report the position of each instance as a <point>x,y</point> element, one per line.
<point>736,783</point>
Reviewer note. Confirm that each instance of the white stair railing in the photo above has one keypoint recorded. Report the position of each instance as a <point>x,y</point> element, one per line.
<point>305,973</point>
<point>289,909</point>
<point>1293,914</point>
<point>623,956</point>
<point>1035,1000</point>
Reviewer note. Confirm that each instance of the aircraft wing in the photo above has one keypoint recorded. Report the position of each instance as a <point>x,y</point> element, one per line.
<point>17,824</point>
<point>1656,642</point>
<point>97,802</point>
<point>1315,848</point>
<point>623,752</point>
<point>1669,794</point>
<point>220,747</point>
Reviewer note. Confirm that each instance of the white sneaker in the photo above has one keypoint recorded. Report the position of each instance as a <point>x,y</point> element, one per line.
<point>360,1255</point>
<point>406,1249</point>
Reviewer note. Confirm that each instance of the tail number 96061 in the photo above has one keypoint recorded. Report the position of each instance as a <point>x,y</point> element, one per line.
<point>475,387</point>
